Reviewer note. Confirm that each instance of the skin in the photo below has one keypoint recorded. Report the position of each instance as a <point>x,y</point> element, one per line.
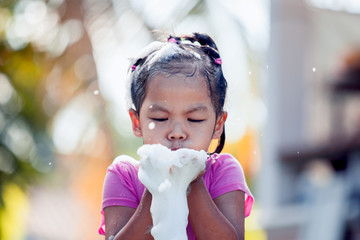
<point>177,112</point>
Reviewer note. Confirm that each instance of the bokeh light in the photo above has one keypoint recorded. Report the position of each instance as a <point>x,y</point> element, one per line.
<point>64,102</point>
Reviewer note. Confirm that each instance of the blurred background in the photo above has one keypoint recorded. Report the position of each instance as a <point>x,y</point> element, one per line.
<point>293,69</point>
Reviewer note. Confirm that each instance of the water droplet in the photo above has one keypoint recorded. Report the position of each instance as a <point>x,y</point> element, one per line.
<point>49,163</point>
<point>96,92</point>
<point>151,125</point>
<point>314,69</point>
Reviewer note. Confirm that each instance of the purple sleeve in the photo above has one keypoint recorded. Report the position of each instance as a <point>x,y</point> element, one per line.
<point>121,186</point>
<point>227,175</point>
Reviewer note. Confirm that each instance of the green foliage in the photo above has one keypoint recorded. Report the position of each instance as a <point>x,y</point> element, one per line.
<point>26,69</point>
<point>23,160</point>
<point>8,3</point>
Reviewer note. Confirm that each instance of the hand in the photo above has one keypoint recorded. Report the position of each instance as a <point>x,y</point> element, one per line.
<point>161,168</point>
<point>199,176</point>
<point>167,174</point>
<point>193,165</point>
<point>154,170</point>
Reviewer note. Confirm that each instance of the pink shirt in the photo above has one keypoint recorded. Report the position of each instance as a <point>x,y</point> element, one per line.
<point>123,188</point>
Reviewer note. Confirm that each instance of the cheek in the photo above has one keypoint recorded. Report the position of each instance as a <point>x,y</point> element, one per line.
<point>150,139</point>
<point>148,126</point>
<point>203,133</point>
<point>152,132</point>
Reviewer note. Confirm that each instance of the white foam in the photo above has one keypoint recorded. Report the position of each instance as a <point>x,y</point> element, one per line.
<point>167,175</point>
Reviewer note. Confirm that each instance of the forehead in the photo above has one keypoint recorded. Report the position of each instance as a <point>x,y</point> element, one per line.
<point>178,88</point>
<point>163,80</point>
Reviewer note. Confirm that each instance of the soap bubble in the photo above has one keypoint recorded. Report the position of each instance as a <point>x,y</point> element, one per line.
<point>151,125</point>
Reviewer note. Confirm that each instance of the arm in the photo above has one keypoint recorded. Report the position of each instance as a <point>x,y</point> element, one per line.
<point>222,218</point>
<point>129,223</point>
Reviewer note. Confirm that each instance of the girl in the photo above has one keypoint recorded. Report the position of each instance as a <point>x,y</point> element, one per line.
<point>178,92</point>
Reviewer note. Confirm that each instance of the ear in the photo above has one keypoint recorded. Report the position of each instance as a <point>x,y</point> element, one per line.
<point>135,123</point>
<point>219,125</point>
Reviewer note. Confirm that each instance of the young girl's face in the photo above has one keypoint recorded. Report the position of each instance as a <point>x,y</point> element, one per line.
<point>177,112</point>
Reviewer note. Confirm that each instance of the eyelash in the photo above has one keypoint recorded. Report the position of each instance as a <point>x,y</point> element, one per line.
<point>159,119</point>
<point>195,120</point>
<point>189,119</point>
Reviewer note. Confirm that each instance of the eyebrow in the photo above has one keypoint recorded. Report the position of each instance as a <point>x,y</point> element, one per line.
<point>190,109</point>
<point>197,108</point>
<point>157,108</point>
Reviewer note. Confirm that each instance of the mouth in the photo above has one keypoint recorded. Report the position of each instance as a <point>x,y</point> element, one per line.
<point>176,147</point>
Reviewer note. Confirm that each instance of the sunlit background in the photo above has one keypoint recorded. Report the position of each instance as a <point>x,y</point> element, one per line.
<point>293,103</point>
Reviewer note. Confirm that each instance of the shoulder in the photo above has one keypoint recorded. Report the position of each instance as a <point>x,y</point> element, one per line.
<point>223,170</point>
<point>224,174</point>
<point>122,178</point>
<point>121,184</point>
<point>124,168</point>
<point>124,163</point>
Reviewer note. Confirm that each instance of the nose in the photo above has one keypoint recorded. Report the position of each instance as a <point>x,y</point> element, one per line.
<point>177,132</point>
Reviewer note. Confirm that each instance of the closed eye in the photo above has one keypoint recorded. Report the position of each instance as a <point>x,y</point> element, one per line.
<point>195,120</point>
<point>159,119</point>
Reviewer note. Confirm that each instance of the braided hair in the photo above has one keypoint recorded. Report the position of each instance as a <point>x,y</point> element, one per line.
<point>191,55</point>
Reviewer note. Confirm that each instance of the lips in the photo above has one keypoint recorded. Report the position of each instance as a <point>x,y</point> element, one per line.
<point>175,147</point>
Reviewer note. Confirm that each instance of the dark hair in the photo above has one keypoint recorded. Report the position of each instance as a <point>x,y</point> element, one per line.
<point>191,55</point>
